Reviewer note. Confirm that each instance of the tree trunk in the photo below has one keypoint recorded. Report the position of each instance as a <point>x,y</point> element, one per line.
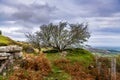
<point>39,49</point>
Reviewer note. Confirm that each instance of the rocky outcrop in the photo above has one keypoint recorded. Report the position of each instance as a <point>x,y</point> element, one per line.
<point>8,54</point>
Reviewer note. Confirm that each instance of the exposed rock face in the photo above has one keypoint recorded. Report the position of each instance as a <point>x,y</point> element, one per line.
<point>11,48</point>
<point>4,54</point>
<point>8,54</point>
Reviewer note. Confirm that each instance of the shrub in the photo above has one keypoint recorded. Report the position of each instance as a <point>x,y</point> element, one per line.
<point>118,63</point>
<point>3,44</point>
<point>75,70</point>
<point>118,76</point>
<point>51,51</point>
<point>23,74</point>
<point>32,68</point>
<point>105,61</point>
<point>2,78</point>
<point>0,32</point>
<point>28,49</point>
<point>37,63</point>
<point>102,71</point>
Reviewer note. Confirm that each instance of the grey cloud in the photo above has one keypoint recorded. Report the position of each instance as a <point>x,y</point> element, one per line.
<point>100,7</point>
<point>34,13</point>
<point>23,30</point>
<point>28,15</point>
<point>85,8</point>
<point>109,30</point>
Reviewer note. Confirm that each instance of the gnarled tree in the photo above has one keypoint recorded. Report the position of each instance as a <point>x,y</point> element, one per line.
<point>34,40</point>
<point>62,35</point>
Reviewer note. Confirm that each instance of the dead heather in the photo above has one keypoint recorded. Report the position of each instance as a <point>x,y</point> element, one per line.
<point>32,68</point>
<point>76,70</point>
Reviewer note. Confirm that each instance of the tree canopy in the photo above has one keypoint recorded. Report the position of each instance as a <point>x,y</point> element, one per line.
<point>60,36</point>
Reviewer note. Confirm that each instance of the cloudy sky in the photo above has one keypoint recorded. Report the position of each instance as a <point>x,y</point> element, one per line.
<point>103,16</point>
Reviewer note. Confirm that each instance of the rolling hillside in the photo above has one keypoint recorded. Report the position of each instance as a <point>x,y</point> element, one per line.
<point>4,41</point>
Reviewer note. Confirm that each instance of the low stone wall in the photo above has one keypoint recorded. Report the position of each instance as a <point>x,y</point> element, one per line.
<point>8,54</point>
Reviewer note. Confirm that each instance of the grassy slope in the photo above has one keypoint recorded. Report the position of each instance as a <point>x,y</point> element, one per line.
<point>6,41</point>
<point>74,55</point>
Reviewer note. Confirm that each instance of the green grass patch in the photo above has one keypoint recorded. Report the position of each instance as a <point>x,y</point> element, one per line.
<point>74,55</point>
<point>53,56</point>
<point>4,41</point>
<point>2,78</point>
<point>58,74</point>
